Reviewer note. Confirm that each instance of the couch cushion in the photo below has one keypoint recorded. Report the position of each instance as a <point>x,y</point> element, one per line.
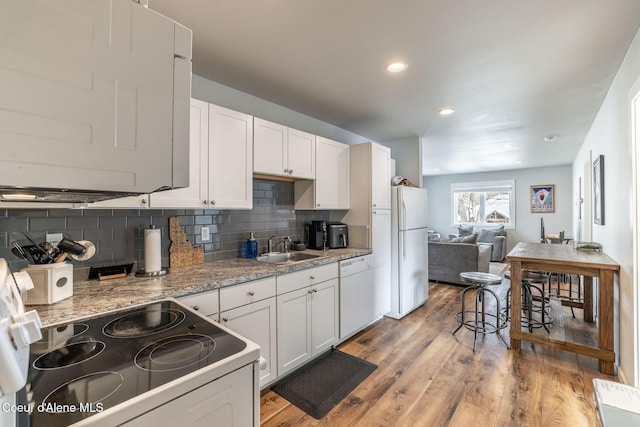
<point>465,239</point>
<point>486,236</point>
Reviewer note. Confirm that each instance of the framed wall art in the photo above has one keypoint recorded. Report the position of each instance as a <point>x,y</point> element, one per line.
<point>542,198</point>
<point>598,190</point>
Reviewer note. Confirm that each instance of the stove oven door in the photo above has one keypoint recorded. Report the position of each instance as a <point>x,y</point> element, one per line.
<point>227,401</point>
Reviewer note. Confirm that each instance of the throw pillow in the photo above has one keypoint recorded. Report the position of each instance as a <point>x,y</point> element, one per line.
<point>486,236</point>
<point>465,230</point>
<point>498,228</point>
<point>464,239</point>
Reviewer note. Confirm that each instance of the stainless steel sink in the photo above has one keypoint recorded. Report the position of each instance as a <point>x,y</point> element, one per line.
<point>285,258</point>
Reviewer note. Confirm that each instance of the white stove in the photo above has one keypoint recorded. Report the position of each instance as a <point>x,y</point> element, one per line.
<point>18,329</point>
<point>154,363</point>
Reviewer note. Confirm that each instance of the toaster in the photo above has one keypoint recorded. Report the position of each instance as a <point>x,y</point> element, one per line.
<point>337,235</point>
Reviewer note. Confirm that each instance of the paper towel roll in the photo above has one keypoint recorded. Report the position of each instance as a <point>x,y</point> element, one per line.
<point>152,249</point>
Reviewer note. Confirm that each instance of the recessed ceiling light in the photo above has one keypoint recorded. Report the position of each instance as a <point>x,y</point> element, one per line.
<point>517,162</point>
<point>507,145</point>
<point>436,170</point>
<point>550,138</point>
<point>396,67</point>
<point>446,111</point>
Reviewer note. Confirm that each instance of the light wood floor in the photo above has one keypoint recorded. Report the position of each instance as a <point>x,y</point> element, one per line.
<point>428,377</point>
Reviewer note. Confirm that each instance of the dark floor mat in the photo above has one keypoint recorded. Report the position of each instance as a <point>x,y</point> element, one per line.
<point>320,386</point>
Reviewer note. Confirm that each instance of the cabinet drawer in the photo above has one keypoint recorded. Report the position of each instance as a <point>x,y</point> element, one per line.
<point>299,279</point>
<point>206,303</point>
<point>246,293</point>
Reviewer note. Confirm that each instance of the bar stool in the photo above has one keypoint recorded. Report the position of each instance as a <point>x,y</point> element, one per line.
<point>532,281</point>
<point>478,283</point>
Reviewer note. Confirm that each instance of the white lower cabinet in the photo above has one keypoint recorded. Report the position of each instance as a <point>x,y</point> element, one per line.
<point>250,310</point>
<point>227,401</point>
<point>308,321</point>
<point>257,322</point>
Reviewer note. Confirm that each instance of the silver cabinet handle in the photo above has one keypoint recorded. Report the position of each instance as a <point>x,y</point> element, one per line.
<point>312,277</point>
<point>196,307</point>
<point>290,171</point>
<point>251,293</point>
<point>225,319</point>
<point>143,201</point>
<point>310,291</point>
<point>213,202</point>
<point>205,202</point>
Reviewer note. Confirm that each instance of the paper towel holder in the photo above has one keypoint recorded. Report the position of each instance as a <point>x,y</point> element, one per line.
<point>161,272</point>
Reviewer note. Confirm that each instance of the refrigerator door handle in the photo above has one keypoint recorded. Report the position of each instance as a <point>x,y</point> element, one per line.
<point>404,247</point>
<point>404,215</point>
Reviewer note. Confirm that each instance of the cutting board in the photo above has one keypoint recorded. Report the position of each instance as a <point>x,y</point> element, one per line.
<point>181,252</point>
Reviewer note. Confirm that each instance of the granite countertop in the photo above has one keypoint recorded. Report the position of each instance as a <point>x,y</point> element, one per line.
<point>91,297</point>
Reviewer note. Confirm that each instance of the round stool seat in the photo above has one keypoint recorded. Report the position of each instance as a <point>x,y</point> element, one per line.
<point>480,278</point>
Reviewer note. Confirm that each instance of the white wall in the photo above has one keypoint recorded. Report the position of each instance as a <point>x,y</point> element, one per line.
<point>224,96</point>
<point>610,135</point>
<point>408,156</point>
<point>527,224</point>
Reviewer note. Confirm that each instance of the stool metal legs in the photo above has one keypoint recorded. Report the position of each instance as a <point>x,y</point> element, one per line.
<point>480,323</point>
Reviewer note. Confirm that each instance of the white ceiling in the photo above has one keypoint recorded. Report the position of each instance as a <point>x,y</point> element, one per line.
<point>515,71</point>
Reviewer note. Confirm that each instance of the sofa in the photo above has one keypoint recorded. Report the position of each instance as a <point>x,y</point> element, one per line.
<point>447,260</point>
<point>493,236</point>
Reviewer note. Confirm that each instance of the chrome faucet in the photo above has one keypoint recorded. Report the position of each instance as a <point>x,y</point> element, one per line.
<point>286,243</point>
<point>270,244</point>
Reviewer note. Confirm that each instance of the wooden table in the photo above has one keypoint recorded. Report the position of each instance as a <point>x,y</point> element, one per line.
<point>566,259</point>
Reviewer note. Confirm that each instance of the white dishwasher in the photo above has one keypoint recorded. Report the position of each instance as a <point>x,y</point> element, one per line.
<point>357,295</point>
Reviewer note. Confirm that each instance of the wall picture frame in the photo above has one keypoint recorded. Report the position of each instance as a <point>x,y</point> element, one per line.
<point>543,198</point>
<point>598,190</point>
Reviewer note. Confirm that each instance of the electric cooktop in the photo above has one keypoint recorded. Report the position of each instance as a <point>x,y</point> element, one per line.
<point>81,369</point>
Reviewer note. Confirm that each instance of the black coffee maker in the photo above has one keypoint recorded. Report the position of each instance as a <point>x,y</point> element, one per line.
<point>317,231</point>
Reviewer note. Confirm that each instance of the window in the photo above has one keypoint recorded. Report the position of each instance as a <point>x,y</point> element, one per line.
<point>484,203</point>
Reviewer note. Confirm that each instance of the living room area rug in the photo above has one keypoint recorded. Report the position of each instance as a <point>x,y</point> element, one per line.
<point>498,268</point>
<point>319,386</point>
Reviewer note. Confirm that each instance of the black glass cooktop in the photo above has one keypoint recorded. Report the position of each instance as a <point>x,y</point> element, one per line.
<point>80,369</point>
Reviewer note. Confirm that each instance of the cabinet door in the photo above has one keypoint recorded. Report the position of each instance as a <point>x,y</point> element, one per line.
<point>381,245</point>
<point>294,329</point>
<point>380,177</point>
<point>230,159</point>
<point>301,154</point>
<point>270,148</point>
<point>257,322</point>
<point>196,195</point>
<point>324,299</point>
<point>332,184</point>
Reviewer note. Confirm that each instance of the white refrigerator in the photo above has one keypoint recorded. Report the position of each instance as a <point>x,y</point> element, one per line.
<point>409,240</point>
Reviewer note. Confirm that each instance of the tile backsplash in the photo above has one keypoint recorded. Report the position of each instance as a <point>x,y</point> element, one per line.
<point>119,233</point>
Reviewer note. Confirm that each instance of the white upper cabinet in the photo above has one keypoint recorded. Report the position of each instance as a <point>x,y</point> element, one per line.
<point>230,159</point>
<point>331,189</point>
<point>89,96</point>
<point>301,154</point>
<point>220,158</point>
<point>380,172</point>
<point>282,151</point>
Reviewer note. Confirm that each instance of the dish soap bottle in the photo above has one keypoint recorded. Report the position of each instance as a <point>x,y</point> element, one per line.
<point>251,247</point>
